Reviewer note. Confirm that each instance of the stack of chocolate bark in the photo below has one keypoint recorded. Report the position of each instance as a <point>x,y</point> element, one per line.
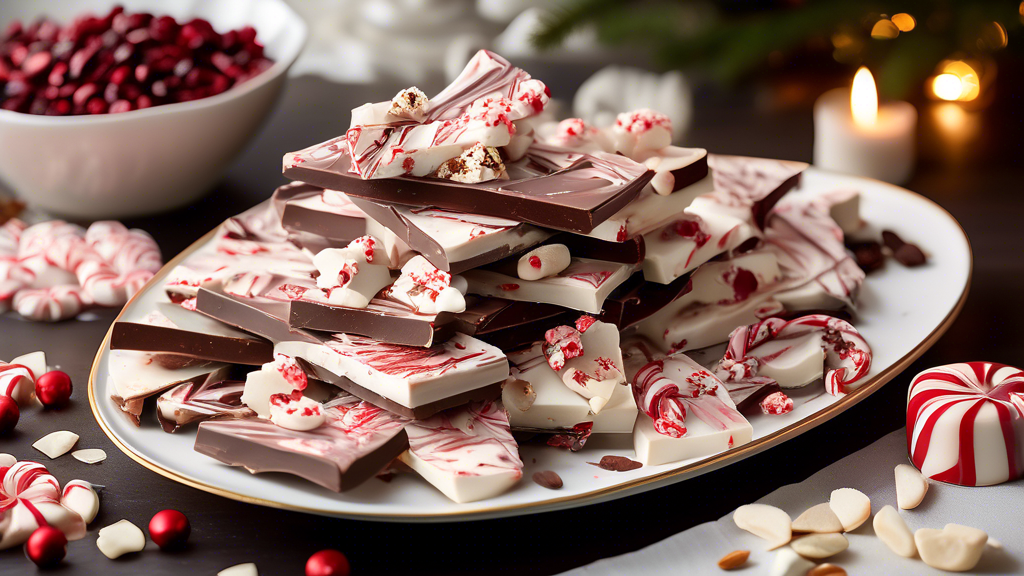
<point>459,268</point>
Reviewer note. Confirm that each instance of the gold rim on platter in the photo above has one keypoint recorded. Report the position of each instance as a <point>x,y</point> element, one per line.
<point>710,463</point>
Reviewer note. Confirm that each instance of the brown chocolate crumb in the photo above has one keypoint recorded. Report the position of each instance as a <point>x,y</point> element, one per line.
<point>548,479</point>
<point>904,252</point>
<point>868,255</point>
<point>10,208</point>
<point>617,464</point>
<point>386,477</point>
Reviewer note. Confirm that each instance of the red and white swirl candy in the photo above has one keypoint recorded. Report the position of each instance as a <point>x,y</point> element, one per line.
<point>785,351</point>
<point>965,423</point>
<point>669,388</point>
<point>29,498</point>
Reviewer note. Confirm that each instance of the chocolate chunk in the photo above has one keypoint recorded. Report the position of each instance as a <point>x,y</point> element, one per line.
<point>868,255</point>
<point>548,479</point>
<point>629,251</point>
<point>637,299</point>
<point>383,319</point>
<point>617,464</point>
<point>508,324</point>
<point>303,210</point>
<point>904,252</point>
<point>176,347</point>
<point>574,438</point>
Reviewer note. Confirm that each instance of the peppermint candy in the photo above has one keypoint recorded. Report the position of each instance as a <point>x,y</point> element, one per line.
<point>964,423</point>
<point>30,497</point>
<point>669,388</point>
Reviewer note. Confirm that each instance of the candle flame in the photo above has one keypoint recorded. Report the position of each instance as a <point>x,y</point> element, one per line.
<point>864,98</point>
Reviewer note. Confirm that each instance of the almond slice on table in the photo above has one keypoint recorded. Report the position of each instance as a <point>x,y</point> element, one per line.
<point>56,444</point>
<point>789,563</point>
<point>820,545</point>
<point>818,519</point>
<point>764,521</point>
<point>247,569</point>
<point>826,569</point>
<point>852,507</point>
<point>90,455</point>
<point>911,486</point>
<point>120,538</point>
<point>893,532</point>
<point>734,559</point>
<point>955,548</point>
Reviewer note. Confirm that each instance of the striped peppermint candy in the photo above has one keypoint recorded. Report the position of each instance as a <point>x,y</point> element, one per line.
<point>51,304</point>
<point>29,498</point>
<point>965,423</point>
<point>17,381</point>
<point>847,354</point>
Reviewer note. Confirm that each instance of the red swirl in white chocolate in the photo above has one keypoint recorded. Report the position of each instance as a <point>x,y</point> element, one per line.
<point>473,440</point>
<point>666,399</point>
<point>965,422</point>
<point>847,354</point>
<point>29,498</point>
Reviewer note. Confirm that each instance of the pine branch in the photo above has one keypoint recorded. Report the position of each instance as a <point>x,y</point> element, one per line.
<point>560,22</point>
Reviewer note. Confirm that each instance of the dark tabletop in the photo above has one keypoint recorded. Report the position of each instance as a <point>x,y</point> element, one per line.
<point>978,181</point>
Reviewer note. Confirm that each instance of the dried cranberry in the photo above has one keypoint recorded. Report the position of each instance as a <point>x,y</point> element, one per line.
<point>120,106</point>
<point>143,101</point>
<point>58,74</point>
<point>96,106</point>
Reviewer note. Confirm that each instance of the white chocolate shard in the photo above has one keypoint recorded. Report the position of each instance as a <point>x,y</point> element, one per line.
<point>544,261</point>
<point>247,569</point>
<point>820,545</point>
<point>893,532</point>
<point>518,394</point>
<point>7,460</point>
<point>478,164</point>
<point>80,497</point>
<point>911,487</point>
<point>426,288</point>
<point>90,455</point>
<point>34,361</point>
<point>353,275</point>
<point>640,131</point>
<point>789,563</point>
<point>765,522</point>
<point>56,444</point>
<point>597,372</point>
<point>299,414</point>
<point>409,103</point>
<point>818,519</point>
<point>955,548</point>
<point>852,507</point>
<point>582,286</point>
<point>282,376</point>
<point>844,208</point>
<point>120,538</point>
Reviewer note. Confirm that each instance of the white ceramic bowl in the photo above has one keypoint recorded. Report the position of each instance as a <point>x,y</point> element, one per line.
<point>144,161</point>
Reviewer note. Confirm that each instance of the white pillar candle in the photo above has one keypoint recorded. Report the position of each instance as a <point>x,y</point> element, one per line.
<point>853,134</point>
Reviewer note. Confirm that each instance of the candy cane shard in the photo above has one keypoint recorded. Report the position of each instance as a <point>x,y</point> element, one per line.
<point>964,423</point>
<point>30,497</point>
<point>467,453</point>
<point>597,372</point>
<point>793,353</point>
<point>196,402</point>
<point>685,410</point>
<point>80,497</point>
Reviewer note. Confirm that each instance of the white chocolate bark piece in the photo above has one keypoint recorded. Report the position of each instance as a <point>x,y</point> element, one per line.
<point>282,376</point>
<point>731,280</point>
<point>911,486</point>
<point>788,563</point>
<point>408,375</point>
<point>703,326</point>
<point>353,275</point>
<point>641,131</point>
<point>583,285</point>
<point>852,507</point>
<point>818,519</point>
<point>845,210</point>
<point>575,134</point>
<point>80,497</point>
<point>893,532</point>
<point>56,444</point>
<point>544,261</point>
<point>955,548</point>
<point>766,522</point>
<point>426,289</point>
<point>467,453</point>
<point>650,211</point>
<point>665,161</point>
<point>120,538</point>
<point>705,230</point>
<point>598,371</point>
<point>135,376</point>
<point>820,545</point>
<point>299,414</point>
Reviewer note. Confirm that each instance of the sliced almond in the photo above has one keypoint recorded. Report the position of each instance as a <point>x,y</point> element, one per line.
<point>789,563</point>
<point>6,460</point>
<point>764,521</point>
<point>734,559</point>
<point>820,545</point>
<point>818,519</point>
<point>120,538</point>
<point>852,507</point>
<point>247,569</point>
<point>826,570</point>
<point>911,486</point>
<point>90,455</point>
<point>994,544</point>
<point>955,548</point>
<point>893,532</point>
<point>56,444</point>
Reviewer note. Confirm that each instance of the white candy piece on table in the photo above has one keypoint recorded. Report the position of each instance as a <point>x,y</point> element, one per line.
<point>17,382</point>
<point>30,498</point>
<point>852,507</point>
<point>247,569</point>
<point>80,497</point>
<point>426,288</point>
<point>598,371</point>
<point>467,453</point>
<point>955,548</point>
<point>641,131</point>
<point>296,413</point>
<point>120,538</point>
<point>893,532</point>
<point>820,545</point>
<point>90,455</point>
<point>7,460</point>
<point>282,376</point>
<point>911,486</point>
<point>543,261</point>
<point>788,563</point>
<point>52,304</point>
<point>56,444</point>
<point>478,164</point>
<point>353,275</point>
<point>844,208</point>
<point>766,522</point>
<point>984,398</point>
<point>818,519</point>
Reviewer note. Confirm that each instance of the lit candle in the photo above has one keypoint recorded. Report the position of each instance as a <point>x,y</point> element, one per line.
<point>856,135</point>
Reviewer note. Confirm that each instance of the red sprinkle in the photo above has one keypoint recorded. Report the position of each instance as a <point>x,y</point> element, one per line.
<point>508,287</point>
<point>535,261</point>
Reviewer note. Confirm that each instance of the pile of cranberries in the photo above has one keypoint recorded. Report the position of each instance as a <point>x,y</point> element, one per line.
<point>120,62</point>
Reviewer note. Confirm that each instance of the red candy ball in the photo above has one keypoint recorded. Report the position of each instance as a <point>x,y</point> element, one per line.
<point>327,563</point>
<point>46,546</point>
<point>9,414</point>
<point>54,389</point>
<point>169,529</point>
